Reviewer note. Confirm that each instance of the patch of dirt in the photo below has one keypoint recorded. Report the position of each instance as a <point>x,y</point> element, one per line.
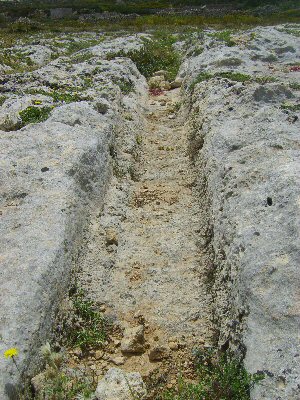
<point>143,262</point>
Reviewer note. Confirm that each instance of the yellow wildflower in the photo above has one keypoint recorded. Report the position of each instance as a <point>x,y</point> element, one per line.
<point>37,102</point>
<point>10,353</point>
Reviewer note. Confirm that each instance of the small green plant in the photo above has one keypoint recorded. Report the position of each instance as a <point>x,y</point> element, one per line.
<point>59,382</point>
<point>81,57</point>
<point>128,116</point>
<point>126,86</point>
<point>265,79</point>
<point>223,36</point>
<point>2,100</point>
<point>235,76</point>
<point>229,62</point>
<point>202,77</point>
<point>291,107</point>
<point>157,54</point>
<point>176,106</point>
<point>65,97</point>
<point>33,115</point>
<point>294,85</point>
<point>24,25</point>
<point>90,329</point>
<point>62,386</point>
<point>219,378</point>
<point>139,140</point>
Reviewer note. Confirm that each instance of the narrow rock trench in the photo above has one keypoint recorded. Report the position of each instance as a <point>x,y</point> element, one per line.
<point>144,264</point>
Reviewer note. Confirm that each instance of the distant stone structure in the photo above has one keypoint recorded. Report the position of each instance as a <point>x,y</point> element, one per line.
<point>58,13</point>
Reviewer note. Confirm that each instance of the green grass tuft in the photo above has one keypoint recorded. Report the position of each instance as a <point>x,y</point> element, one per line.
<point>126,86</point>
<point>219,378</point>
<point>88,328</point>
<point>157,54</point>
<point>2,100</point>
<point>224,36</point>
<point>235,76</point>
<point>291,107</point>
<point>33,115</point>
<point>294,85</point>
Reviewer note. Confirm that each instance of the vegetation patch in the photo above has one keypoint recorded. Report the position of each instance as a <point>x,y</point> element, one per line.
<point>291,107</point>
<point>294,85</point>
<point>126,86</point>
<point>58,96</point>
<point>58,381</point>
<point>204,76</point>
<point>219,378</point>
<point>224,36</point>
<point>24,25</point>
<point>235,76</point>
<point>265,79</point>
<point>157,54</point>
<point>33,115</point>
<point>2,100</point>
<point>87,328</point>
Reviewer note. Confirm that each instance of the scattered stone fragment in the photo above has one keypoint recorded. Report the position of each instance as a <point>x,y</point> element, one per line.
<point>120,385</point>
<point>174,346</point>
<point>176,84</point>
<point>133,340</point>
<point>157,353</point>
<point>118,360</point>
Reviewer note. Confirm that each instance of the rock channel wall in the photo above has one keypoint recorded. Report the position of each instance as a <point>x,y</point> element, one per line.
<point>246,145</point>
<point>52,173</point>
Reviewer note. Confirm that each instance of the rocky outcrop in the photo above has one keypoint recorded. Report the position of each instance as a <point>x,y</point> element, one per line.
<point>52,173</point>
<point>245,142</point>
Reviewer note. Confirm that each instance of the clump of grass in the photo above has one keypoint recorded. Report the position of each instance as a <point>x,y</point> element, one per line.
<point>224,36</point>
<point>24,25</point>
<point>87,329</point>
<point>157,54</point>
<point>235,76</point>
<point>126,86</point>
<point>60,96</point>
<point>65,97</point>
<point>219,378</point>
<point>57,381</point>
<point>82,57</point>
<point>202,77</point>
<point>265,79</point>
<point>139,139</point>
<point>294,85</point>
<point>294,32</point>
<point>33,115</point>
<point>2,100</point>
<point>63,386</point>
<point>290,107</point>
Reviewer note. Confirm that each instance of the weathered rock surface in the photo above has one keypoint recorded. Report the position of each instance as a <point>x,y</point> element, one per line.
<point>232,192</point>
<point>52,174</point>
<point>121,385</point>
<point>246,147</point>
